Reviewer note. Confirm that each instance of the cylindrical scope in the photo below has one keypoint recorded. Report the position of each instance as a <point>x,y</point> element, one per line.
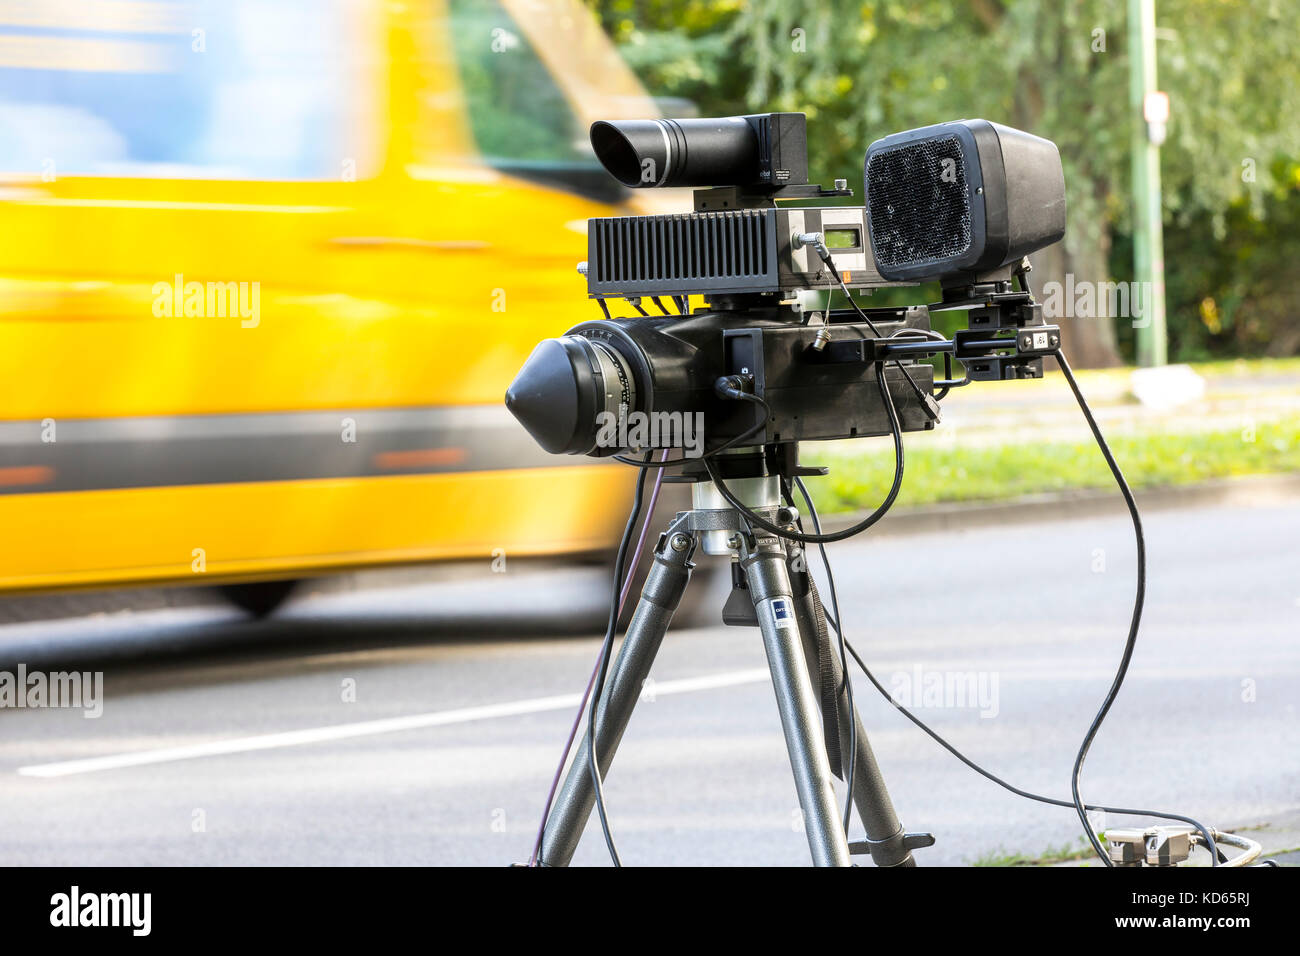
<point>720,151</point>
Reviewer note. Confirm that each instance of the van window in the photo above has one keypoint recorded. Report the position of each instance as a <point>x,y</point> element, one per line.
<point>517,113</point>
<point>226,89</point>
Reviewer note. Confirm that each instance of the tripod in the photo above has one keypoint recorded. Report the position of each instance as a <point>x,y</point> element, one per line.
<point>773,590</point>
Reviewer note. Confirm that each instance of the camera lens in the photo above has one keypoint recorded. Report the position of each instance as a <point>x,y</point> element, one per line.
<point>566,389</point>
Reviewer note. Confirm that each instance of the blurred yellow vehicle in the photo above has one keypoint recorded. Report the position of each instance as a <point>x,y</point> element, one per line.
<point>266,269</point>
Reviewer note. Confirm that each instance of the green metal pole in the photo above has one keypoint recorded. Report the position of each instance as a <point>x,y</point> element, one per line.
<point>1148,233</point>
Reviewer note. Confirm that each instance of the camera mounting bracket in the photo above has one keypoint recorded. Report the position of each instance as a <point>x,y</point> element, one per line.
<point>758,197</point>
<point>994,306</point>
<point>753,462</point>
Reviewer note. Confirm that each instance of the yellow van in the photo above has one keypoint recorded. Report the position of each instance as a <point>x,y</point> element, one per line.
<point>266,269</point>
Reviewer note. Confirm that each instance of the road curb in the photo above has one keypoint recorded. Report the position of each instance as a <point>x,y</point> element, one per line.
<point>1073,505</point>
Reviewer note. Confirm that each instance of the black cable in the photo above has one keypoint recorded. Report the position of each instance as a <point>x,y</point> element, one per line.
<point>1123,811</point>
<point>865,523</point>
<point>729,443</point>
<point>1134,622</point>
<point>865,318</point>
<point>845,645</point>
<point>948,383</point>
<point>846,685</point>
<point>659,303</point>
<point>1075,802</point>
<point>605,649</point>
<point>1052,801</point>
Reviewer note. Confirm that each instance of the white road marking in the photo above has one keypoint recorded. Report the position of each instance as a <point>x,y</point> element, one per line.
<point>368,728</point>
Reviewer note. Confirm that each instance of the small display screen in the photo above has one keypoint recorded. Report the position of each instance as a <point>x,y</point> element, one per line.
<point>843,238</point>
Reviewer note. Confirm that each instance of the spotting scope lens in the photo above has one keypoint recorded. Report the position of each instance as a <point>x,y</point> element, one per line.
<point>767,149</point>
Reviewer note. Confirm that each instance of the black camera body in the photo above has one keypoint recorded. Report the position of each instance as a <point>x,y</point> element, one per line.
<point>817,385</point>
<point>962,203</point>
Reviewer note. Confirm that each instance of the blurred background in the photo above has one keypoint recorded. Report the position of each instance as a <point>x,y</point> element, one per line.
<point>268,266</point>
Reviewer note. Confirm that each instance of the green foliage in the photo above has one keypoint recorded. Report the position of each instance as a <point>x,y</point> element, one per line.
<point>516,111</point>
<point>682,48</point>
<point>1238,290</point>
<point>1080,849</point>
<point>1158,459</point>
<point>1058,69</point>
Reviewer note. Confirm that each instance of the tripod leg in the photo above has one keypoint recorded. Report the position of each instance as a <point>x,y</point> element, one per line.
<point>663,590</point>
<point>769,586</point>
<point>885,836</point>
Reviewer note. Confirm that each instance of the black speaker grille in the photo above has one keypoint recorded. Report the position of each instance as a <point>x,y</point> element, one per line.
<point>918,203</point>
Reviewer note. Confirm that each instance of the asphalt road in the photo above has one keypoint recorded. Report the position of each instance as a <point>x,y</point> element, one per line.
<point>1206,725</point>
